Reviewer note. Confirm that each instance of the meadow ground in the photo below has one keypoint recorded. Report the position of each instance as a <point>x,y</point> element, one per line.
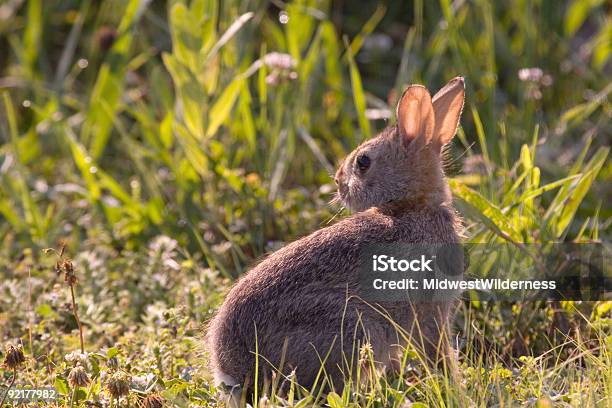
<point>151,151</point>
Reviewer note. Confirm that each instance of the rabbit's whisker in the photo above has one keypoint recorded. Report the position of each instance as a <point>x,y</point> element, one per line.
<point>451,161</point>
<point>334,200</point>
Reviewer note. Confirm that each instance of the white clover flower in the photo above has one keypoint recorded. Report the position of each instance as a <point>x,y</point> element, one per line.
<point>279,60</point>
<point>76,357</point>
<point>530,74</point>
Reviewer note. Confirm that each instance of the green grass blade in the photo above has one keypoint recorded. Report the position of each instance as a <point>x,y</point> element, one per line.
<point>221,108</point>
<point>109,85</point>
<point>33,35</point>
<point>485,210</point>
<point>85,165</point>
<point>579,192</point>
<point>531,194</point>
<point>231,32</point>
<point>482,140</point>
<point>359,98</point>
<point>11,215</point>
<point>366,30</point>
<point>32,215</point>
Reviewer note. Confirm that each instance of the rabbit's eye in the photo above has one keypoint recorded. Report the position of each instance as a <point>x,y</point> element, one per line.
<point>363,162</point>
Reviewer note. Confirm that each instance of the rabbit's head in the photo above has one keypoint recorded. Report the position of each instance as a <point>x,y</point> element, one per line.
<point>403,163</point>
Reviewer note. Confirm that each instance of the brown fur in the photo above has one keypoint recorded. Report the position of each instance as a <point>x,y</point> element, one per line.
<point>300,305</point>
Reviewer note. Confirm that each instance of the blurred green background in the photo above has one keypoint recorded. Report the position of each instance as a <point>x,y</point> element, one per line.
<point>138,118</point>
<point>170,144</point>
<point>145,117</point>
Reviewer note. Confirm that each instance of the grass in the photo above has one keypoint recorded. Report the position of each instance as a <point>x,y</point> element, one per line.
<point>170,144</point>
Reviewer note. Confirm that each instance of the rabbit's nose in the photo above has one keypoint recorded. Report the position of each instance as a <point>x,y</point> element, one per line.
<point>338,176</point>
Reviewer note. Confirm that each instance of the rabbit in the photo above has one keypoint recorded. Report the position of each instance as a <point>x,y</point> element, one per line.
<point>297,310</point>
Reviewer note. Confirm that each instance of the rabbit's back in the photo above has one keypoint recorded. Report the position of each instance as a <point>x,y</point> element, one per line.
<point>294,303</point>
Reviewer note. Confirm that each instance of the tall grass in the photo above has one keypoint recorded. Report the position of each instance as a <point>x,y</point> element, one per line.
<point>198,128</point>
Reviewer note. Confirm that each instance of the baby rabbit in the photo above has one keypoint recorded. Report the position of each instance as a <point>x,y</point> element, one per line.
<point>299,307</point>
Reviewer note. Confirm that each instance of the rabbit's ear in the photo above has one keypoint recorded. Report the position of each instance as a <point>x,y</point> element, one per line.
<point>448,105</point>
<point>415,115</point>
